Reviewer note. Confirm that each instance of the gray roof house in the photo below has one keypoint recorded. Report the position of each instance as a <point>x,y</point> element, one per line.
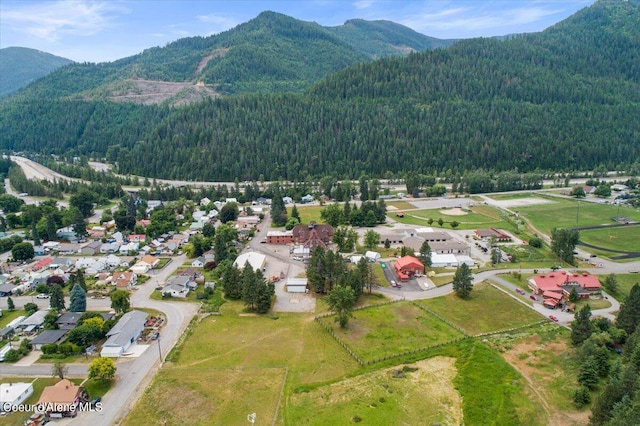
<point>68,320</point>
<point>92,248</point>
<point>47,337</point>
<point>34,322</point>
<point>124,334</point>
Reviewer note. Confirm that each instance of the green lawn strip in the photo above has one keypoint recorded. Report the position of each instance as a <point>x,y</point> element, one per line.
<point>517,279</point>
<point>8,316</point>
<point>392,329</point>
<point>400,205</point>
<point>487,310</point>
<point>510,196</point>
<point>493,392</point>
<point>97,388</point>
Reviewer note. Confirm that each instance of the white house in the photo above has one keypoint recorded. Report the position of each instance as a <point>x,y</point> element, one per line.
<point>175,290</point>
<point>124,334</point>
<point>287,200</point>
<point>14,394</point>
<point>140,268</point>
<point>198,262</point>
<point>108,248</point>
<point>126,248</point>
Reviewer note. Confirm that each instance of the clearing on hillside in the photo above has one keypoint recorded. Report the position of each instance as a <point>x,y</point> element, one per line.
<point>420,393</point>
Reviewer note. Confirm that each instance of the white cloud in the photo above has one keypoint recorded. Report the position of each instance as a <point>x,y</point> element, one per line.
<point>363,4</point>
<point>52,20</point>
<point>217,23</point>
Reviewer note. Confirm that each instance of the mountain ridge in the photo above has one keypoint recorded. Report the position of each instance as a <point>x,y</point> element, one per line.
<point>19,66</point>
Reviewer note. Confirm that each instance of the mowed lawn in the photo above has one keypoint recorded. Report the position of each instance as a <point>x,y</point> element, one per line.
<point>562,213</point>
<point>623,238</point>
<point>486,310</point>
<point>392,329</point>
<point>232,365</point>
<point>625,283</point>
<point>308,213</point>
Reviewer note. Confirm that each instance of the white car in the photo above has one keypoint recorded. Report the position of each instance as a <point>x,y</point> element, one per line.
<point>42,296</point>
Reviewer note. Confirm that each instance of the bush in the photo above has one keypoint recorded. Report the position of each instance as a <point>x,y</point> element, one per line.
<point>12,355</point>
<point>581,397</point>
<point>49,349</point>
<point>30,308</point>
<point>536,242</point>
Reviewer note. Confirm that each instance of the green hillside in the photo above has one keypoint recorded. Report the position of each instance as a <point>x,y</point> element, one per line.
<point>20,66</point>
<point>271,53</point>
<point>567,98</point>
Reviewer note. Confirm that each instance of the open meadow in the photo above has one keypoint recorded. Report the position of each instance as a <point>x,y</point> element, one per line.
<point>486,310</point>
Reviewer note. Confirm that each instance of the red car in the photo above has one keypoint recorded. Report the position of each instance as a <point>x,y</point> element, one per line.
<point>553,318</point>
<point>520,291</point>
<point>533,297</point>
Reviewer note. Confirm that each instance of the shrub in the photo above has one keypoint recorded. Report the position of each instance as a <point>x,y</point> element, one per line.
<point>12,355</point>
<point>536,242</point>
<point>50,348</point>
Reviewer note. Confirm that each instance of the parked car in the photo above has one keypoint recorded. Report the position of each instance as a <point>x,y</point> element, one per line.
<point>533,297</point>
<point>95,400</point>
<point>42,296</point>
<point>155,336</point>
<point>393,283</point>
<point>520,291</point>
<point>553,318</point>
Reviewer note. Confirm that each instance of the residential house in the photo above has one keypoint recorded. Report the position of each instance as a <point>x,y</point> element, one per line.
<point>117,236</point>
<point>262,200</point>
<point>61,399</point>
<point>140,268</point>
<point>205,201</point>
<point>68,248</point>
<point>307,198</point>
<point>124,280</point>
<point>408,266</point>
<point>287,200</point>
<point>6,289</point>
<point>124,334</point>
<point>42,264</point>
<point>187,280</point>
<point>12,394</point>
<point>63,263</point>
<point>152,261</point>
<point>33,322</point>
<point>175,290</point>
<point>231,200</point>
<point>39,250</point>
<point>110,248</point>
<point>48,337</point>
<point>114,261</point>
<point>68,320</point>
<point>137,238</point>
<point>92,248</point>
<point>198,262</point>
<point>129,247</point>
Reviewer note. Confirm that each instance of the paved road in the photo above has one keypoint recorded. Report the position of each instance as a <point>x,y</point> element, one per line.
<point>132,375</point>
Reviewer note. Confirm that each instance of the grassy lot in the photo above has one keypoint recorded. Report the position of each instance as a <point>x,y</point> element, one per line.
<point>232,365</point>
<point>510,196</point>
<point>442,279</point>
<point>561,213</point>
<point>380,398</point>
<point>309,213</point>
<point>519,280</point>
<point>401,205</point>
<point>545,359</point>
<point>381,280</point>
<point>625,282</point>
<point>594,303</point>
<point>97,388</point>
<point>614,238</point>
<point>392,329</point>
<point>487,310</point>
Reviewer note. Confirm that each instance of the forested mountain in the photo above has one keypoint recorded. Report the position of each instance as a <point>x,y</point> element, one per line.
<point>271,53</point>
<point>567,98</point>
<point>384,38</point>
<point>20,66</point>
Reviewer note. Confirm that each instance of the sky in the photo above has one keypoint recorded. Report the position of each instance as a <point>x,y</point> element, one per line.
<point>106,30</point>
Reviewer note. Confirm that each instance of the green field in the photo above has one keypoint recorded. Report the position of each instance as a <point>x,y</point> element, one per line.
<point>478,217</point>
<point>517,196</point>
<point>625,282</point>
<point>562,213</point>
<point>309,213</point>
<point>393,329</point>
<point>623,238</point>
<point>487,310</point>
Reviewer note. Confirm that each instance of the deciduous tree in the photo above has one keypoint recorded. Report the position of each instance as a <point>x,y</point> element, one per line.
<point>103,369</point>
<point>341,300</point>
<point>120,301</point>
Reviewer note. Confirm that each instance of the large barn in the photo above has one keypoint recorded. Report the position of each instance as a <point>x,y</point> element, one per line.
<point>407,266</point>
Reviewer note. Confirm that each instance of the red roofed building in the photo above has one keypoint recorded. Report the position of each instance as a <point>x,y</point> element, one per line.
<point>42,264</point>
<point>563,282</point>
<point>407,266</point>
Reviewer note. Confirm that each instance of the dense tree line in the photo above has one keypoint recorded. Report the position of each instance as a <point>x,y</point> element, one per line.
<point>480,102</point>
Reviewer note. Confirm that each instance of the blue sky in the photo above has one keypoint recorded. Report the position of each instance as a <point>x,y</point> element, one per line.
<point>106,30</point>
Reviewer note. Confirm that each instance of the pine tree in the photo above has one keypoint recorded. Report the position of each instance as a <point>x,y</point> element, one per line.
<point>581,327</point>
<point>316,270</point>
<point>295,214</point>
<point>80,279</point>
<point>56,298</point>
<point>425,254</point>
<point>462,281</point>
<point>250,283</point>
<point>10,305</point>
<point>77,299</point>
<point>231,283</point>
<point>629,315</point>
